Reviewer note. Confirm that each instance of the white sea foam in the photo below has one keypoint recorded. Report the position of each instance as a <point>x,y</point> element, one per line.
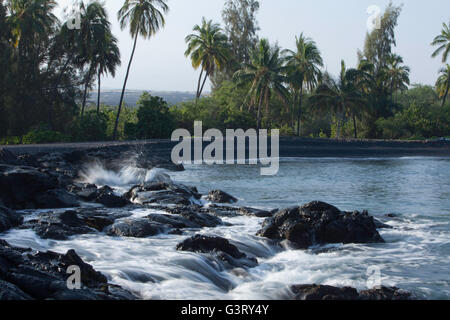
<point>128,175</point>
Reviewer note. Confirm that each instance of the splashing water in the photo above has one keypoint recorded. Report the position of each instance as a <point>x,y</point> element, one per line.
<point>128,175</point>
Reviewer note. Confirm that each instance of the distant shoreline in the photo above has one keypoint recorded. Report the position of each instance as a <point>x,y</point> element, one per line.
<point>289,147</point>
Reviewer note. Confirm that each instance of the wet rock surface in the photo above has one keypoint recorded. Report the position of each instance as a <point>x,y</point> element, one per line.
<point>324,292</point>
<point>385,293</point>
<point>9,219</point>
<point>220,248</point>
<point>320,223</point>
<point>163,193</point>
<point>155,224</point>
<point>136,228</point>
<point>62,225</point>
<point>24,187</point>
<point>25,275</point>
<point>220,196</point>
<point>109,199</point>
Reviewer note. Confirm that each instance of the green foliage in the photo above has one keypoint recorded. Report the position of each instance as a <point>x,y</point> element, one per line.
<point>154,119</point>
<point>286,131</point>
<point>208,49</point>
<point>11,140</point>
<point>128,115</point>
<point>44,136</point>
<point>91,127</point>
<point>417,121</point>
<point>222,110</point>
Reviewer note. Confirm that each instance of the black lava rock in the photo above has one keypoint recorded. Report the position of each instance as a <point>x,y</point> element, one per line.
<point>320,223</point>
<point>220,196</point>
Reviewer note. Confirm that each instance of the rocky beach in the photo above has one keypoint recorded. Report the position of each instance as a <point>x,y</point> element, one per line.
<point>48,192</point>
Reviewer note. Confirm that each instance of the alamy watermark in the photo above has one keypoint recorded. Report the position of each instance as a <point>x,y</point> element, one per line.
<point>74,280</point>
<point>235,140</point>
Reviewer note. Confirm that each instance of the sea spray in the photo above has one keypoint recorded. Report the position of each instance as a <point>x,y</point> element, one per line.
<point>96,173</point>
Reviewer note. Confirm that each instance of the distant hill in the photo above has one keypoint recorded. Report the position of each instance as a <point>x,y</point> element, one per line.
<point>112,97</point>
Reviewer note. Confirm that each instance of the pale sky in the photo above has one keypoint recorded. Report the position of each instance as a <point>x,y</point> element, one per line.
<point>338,27</point>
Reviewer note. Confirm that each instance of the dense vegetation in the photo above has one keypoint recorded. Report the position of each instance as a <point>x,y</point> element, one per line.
<point>50,66</point>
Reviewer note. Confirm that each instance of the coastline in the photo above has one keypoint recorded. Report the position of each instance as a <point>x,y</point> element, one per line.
<point>290,147</point>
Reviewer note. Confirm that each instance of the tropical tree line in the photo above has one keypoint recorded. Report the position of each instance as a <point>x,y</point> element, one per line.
<point>358,96</point>
<point>49,68</point>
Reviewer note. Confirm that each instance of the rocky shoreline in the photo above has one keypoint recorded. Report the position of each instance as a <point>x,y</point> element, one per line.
<point>50,181</point>
<point>289,147</point>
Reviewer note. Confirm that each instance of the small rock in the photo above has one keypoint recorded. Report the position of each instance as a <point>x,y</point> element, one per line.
<point>322,292</point>
<point>137,228</point>
<point>385,293</point>
<point>219,196</point>
<point>109,199</point>
<point>220,247</point>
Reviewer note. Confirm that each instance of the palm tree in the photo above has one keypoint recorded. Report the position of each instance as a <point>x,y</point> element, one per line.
<point>303,70</point>
<point>443,84</point>
<point>265,74</point>
<point>107,59</point>
<point>208,48</point>
<point>95,28</point>
<point>30,18</point>
<point>342,96</point>
<point>443,41</point>
<point>397,75</point>
<point>31,22</point>
<point>145,19</point>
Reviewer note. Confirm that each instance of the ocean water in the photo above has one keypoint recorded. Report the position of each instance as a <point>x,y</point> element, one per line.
<point>415,257</point>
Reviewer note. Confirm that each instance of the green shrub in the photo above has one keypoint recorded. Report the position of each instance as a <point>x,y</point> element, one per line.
<point>91,127</point>
<point>10,140</point>
<point>286,131</point>
<point>44,136</point>
<point>154,119</point>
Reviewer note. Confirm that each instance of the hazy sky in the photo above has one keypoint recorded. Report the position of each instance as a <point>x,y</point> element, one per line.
<point>338,27</point>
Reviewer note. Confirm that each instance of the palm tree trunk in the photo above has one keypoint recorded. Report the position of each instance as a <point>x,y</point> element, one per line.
<point>446,94</point>
<point>340,123</point>
<point>198,86</point>
<point>84,98</point>
<point>258,116</point>
<point>98,95</point>
<point>86,86</point>
<point>299,111</point>
<point>125,85</point>
<point>354,127</point>
<point>294,100</point>
<point>55,90</point>
<point>203,85</point>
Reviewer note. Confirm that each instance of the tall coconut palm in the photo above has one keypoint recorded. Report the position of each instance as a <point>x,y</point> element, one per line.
<point>145,18</point>
<point>341,96</point>
<point>443,43</point>
<point>93,34</point>
<point>397,75</point>
<point>106,60</point>
<point>303,70</point>
<point>208,48</point>
<point>265,74</point>
<point>29,18</point>
<point>443,84</point>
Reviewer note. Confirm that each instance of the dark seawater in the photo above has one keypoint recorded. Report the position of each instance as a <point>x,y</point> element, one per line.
<point>415,257</point>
